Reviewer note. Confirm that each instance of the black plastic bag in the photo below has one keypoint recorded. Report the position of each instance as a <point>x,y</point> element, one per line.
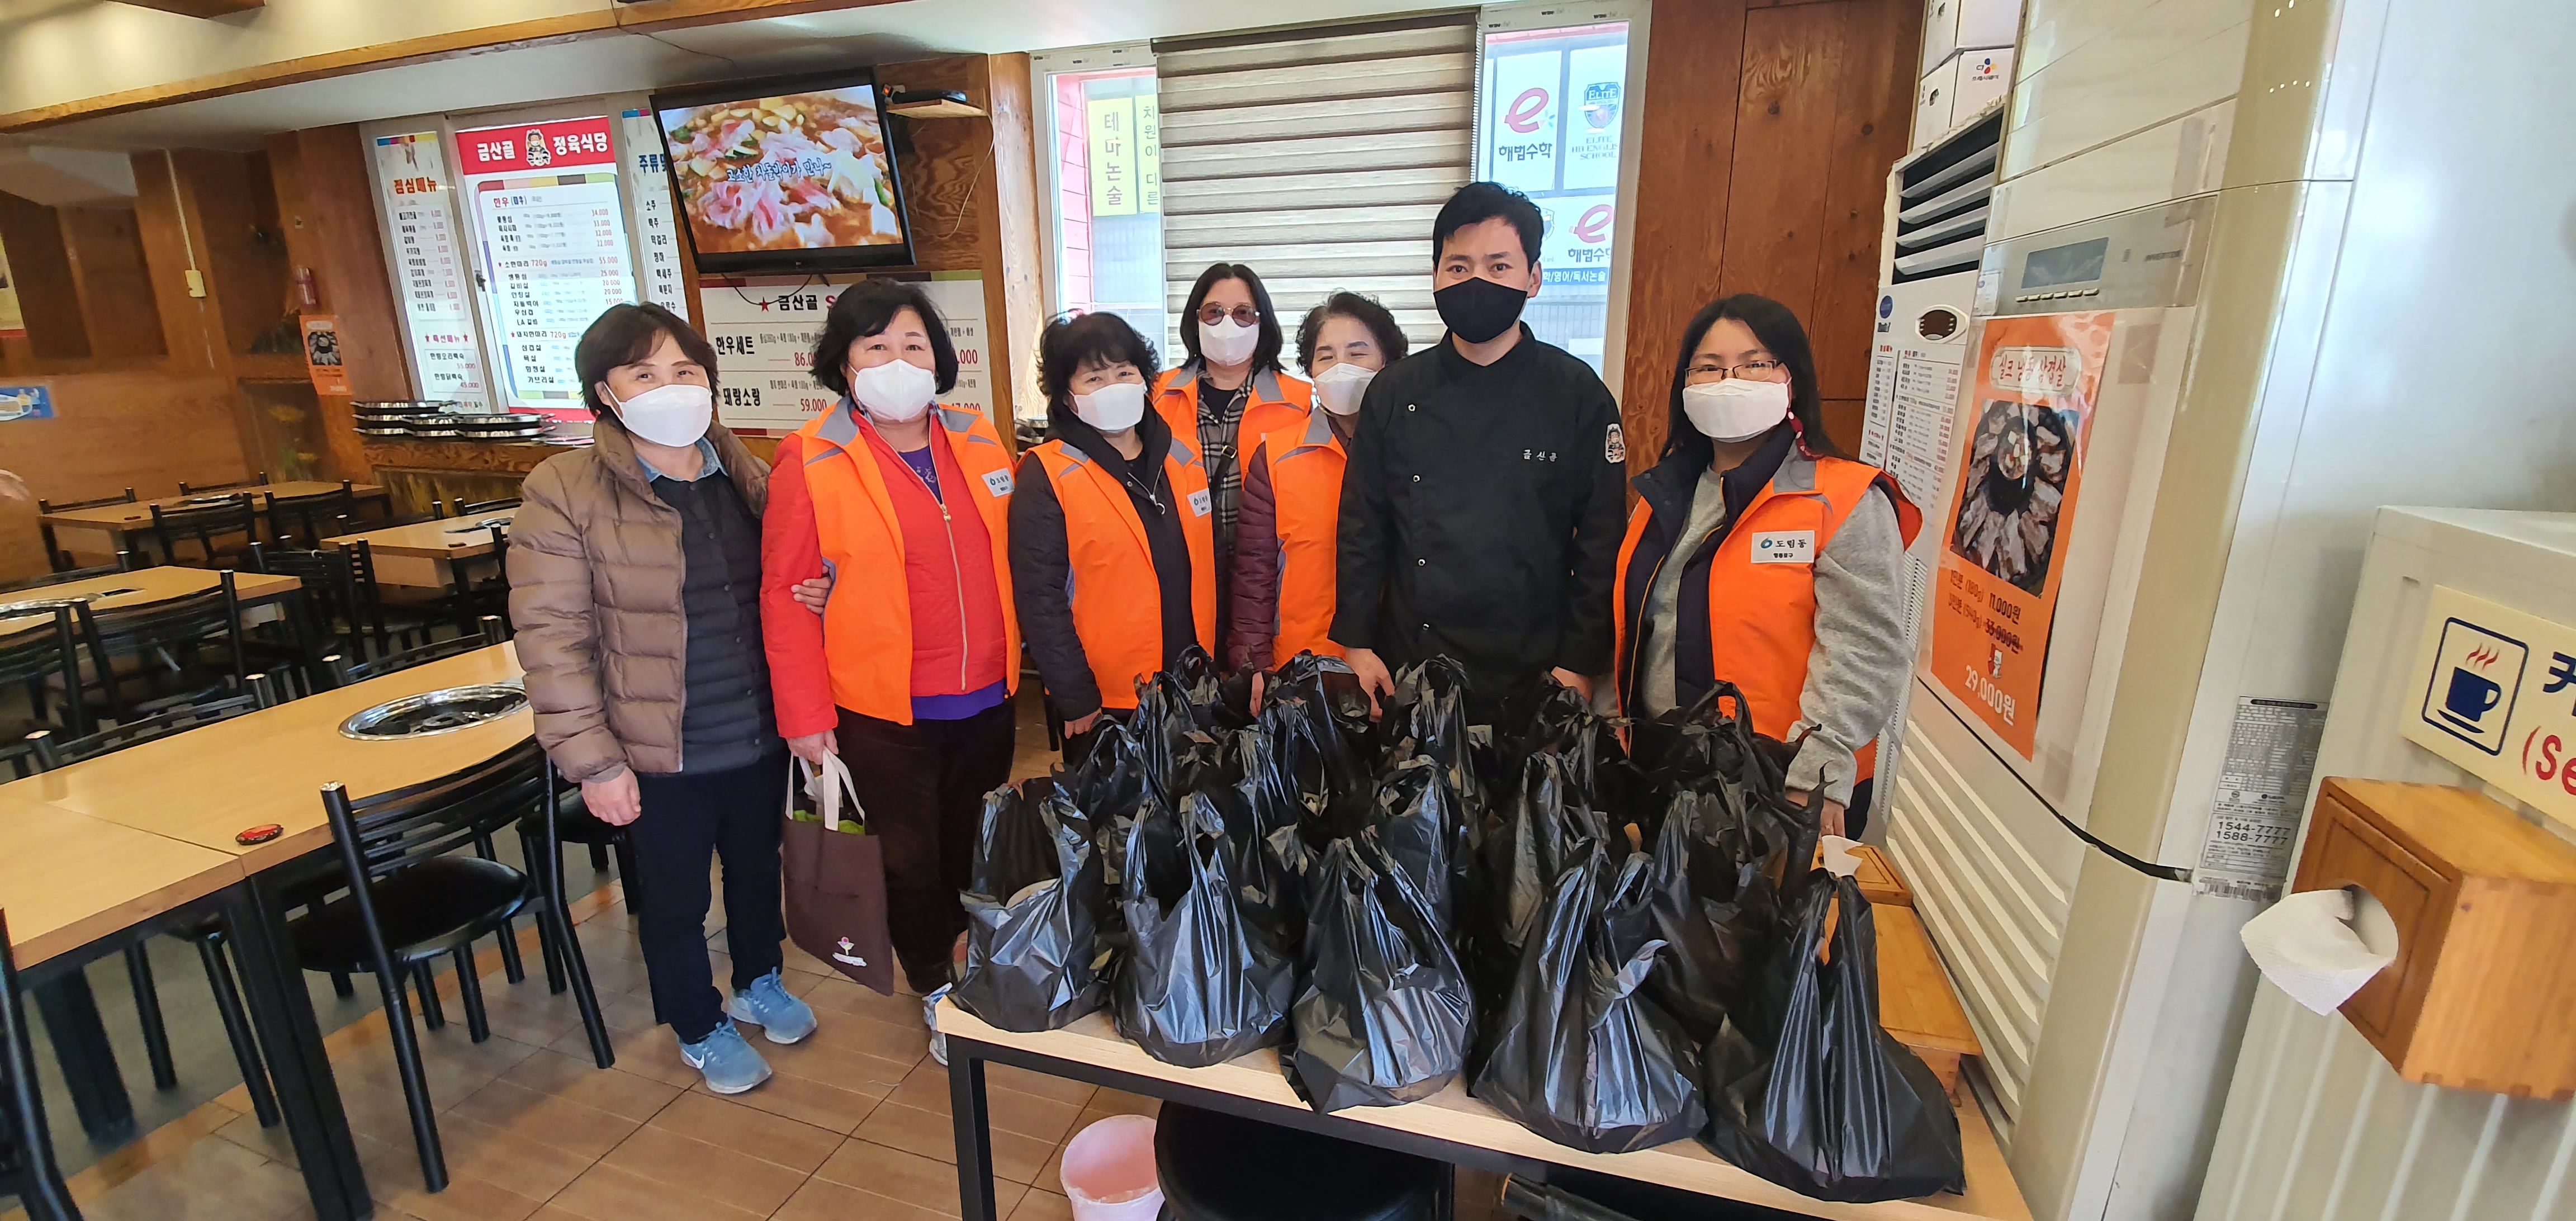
<point>1269,874</point>
<point>1196,987</point>
<point>1335,783</point>
<point>1581,1055</point>
<point>1425,835</point>
<point>1427,717</point>
<point>1111,779</point>
<point>1179,753</point>
<point>1335,689</point>
<point>1522,857</point>
<point>1383,1015</point>
<point>1839,1110</point>
<point>1715,905</point>
<point>1033,951</point>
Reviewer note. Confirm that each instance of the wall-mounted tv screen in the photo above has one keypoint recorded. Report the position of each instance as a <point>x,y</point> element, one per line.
<point>785,175</point>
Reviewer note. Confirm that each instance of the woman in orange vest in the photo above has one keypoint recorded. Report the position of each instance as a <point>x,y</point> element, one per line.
<point>1231,392</point>
<point>1280,597</point>
<point>1113,553</point>
<point>1759,555</point>
<point>907,673</point>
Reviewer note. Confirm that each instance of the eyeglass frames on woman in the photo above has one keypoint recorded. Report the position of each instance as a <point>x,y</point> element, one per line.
<point>1243,315</point>
<point>1751,370</point>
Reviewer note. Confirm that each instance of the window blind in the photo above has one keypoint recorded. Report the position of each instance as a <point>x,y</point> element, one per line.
<point>1318,157</point>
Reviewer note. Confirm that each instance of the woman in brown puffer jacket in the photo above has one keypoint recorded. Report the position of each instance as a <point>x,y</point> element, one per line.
<point>635,590</point>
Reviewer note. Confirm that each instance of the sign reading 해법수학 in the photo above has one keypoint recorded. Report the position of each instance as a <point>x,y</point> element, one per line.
<point>2495,693</point>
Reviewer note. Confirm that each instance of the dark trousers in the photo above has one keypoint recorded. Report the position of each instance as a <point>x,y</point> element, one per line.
<point>733,816</point>
<point>923,786</point>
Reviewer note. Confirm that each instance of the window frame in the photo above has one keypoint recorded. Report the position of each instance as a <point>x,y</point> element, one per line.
<point>1043,64</point>
<point>1528,15</point>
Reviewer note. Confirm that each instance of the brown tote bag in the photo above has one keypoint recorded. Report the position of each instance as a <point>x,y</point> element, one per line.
<point>836,897</point>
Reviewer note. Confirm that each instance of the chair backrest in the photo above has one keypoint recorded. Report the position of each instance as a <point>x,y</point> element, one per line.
<point>468,575</point>
<point>311,513</point>
<point>330,582</point>
<point>52,752</point>
<point>485,506</point>
<point>37,653</point>
<point>204,524</point>
<point>187,489</point>
<point>383,834</point>
<point>344,672</point>
<point>55,557</point>
<point>183,620</point>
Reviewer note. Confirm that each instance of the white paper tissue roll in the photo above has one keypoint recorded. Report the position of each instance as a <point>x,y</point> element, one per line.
<point>2306,945</point>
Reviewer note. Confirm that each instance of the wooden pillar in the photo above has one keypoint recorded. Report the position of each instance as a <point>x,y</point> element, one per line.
<point>331,233</point>
<point>1767,136</point>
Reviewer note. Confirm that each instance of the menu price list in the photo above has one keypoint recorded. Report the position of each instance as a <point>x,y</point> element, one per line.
<point>419,201</point>
<point>657,237</point>
<point>764,335</point>
<point>558,258</point>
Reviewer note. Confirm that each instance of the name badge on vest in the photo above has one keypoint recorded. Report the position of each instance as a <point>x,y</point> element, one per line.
<point>1199,502</point>
<point>998,483</point>
<point>1784,547</point>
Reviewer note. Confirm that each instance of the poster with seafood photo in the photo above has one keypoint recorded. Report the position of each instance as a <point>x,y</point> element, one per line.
<point>2021,471</point>
<point>803,171</point>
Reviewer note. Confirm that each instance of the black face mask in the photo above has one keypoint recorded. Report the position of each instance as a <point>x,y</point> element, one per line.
<point>1477,309</point>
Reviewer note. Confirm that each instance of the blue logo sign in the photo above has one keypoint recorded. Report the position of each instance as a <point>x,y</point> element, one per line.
<point>26,403</point>
<point>2477,676</point>
<point>1886,306</point>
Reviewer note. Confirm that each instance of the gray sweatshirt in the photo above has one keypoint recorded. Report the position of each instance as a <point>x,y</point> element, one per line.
<point>1860,664</point>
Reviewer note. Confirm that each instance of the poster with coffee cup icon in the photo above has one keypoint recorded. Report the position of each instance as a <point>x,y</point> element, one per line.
<point>2496,695</point>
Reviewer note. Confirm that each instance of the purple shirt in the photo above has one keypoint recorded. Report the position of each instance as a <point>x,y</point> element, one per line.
<point>926,465</point>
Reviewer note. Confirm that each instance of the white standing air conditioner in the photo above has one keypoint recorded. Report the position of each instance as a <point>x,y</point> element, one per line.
<point>2221,235</point>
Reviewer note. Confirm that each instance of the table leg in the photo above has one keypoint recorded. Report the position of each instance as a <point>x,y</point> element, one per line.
<point>974,1135</point>
<point>291,1041</point>
<point>70,1013</point>
<point>299,624</point>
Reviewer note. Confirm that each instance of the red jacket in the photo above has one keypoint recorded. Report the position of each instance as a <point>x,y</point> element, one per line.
<point>959,638</point>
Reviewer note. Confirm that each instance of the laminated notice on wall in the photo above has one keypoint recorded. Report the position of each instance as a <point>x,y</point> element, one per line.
<point>764,332</point>
<point>2271,754</point>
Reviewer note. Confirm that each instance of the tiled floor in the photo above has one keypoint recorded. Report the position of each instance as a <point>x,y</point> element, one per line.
<point>854,1125</point>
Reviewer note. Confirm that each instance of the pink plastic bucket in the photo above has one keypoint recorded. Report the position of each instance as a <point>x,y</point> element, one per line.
<point>1109,1171</point>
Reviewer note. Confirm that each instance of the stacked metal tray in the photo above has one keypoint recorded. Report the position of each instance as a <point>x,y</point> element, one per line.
<point>445,421</point>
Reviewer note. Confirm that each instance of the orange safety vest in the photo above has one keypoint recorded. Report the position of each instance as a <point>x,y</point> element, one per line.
<point>1278,401</point>
<point>1762,616</point>
<point>1117,600</point>
<point>1306,463</point>
<point>870,611</point>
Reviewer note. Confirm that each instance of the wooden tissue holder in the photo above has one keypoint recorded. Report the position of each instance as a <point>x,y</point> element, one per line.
<point>2482,995</point>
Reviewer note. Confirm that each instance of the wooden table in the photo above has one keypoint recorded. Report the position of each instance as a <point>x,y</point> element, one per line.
<point>1450,1126</point>
<point>419,554</point>
<point>116,591</point>
<point>99,531</point>
<point>157,822</point>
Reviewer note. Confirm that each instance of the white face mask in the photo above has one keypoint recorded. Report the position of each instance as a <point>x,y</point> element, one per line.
<point>1735,409</point>
<point>1342,385</point>
<point>1112,408</point>
<point>1227,342</point>
<point>673,415</point>
<point>896,392</point>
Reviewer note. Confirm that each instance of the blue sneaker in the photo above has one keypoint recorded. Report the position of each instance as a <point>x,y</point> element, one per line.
<point>768,1005</point>
<point>730,1065</point>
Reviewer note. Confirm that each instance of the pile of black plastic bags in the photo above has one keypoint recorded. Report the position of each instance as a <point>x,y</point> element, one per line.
<point>1614,951</point>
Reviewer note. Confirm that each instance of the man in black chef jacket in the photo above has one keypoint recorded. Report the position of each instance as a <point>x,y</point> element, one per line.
<point>1482,504</point>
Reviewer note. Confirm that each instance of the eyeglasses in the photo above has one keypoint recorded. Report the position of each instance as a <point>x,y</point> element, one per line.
<point>1243,315</point>
<point>1751,370</point>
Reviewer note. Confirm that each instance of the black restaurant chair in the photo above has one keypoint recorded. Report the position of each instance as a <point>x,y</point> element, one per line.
<point>208,527</point>
<point>125,562</point>
<point>208,934</point>
<point>167,642</point>
<point>415,898</point>
<point>303,520</point>
<point>190,489</point>
<point>488,631</point>
<point>465,508</point>
<point>478,586</point>
<point>39,656</point>
<point>59,559</point>
<point>27,1167</point>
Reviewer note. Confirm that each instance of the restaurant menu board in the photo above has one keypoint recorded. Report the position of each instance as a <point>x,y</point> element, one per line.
<point>418,197</point>
<point>657,238</point>
<point>764,331</point>
<point>551,230</point>
<point>2021,472</point>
